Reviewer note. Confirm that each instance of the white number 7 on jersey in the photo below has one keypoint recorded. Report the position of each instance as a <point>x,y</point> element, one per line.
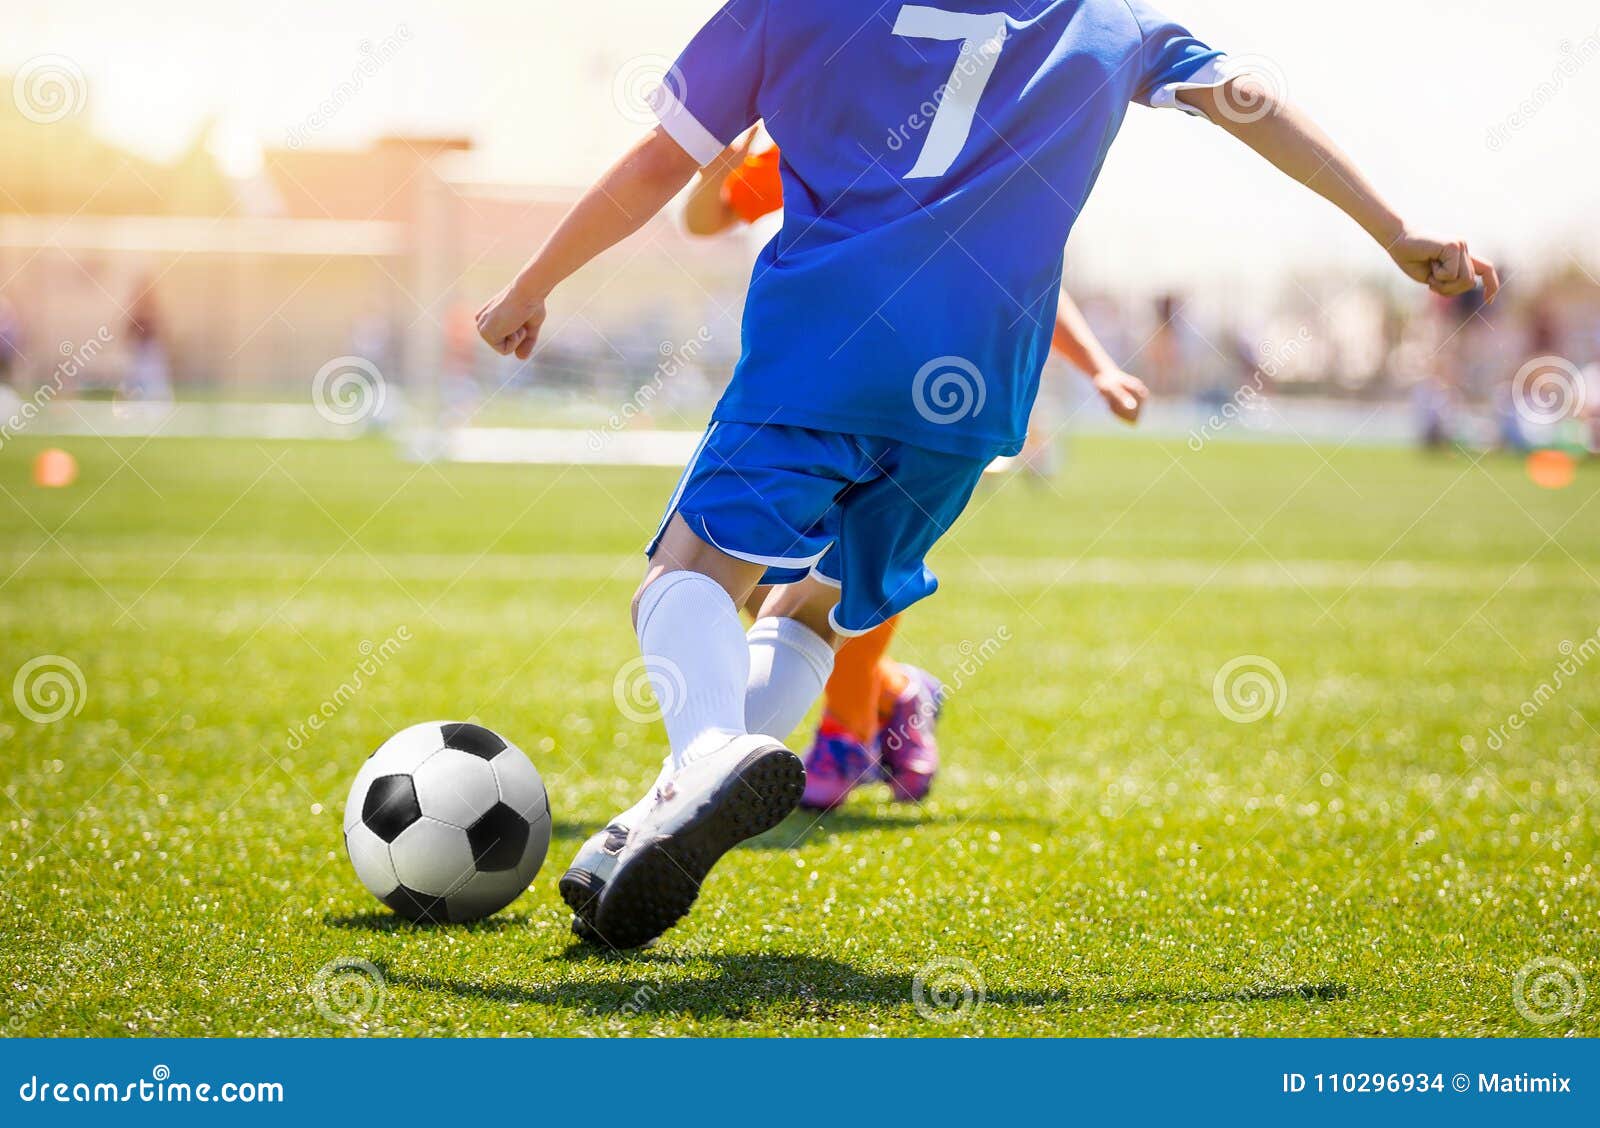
<point>982,36</point>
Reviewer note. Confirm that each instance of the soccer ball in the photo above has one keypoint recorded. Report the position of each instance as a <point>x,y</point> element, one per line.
<point>447,822</point>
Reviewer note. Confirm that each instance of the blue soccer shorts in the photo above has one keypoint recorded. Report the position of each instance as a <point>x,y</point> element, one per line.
<point>855,511</point>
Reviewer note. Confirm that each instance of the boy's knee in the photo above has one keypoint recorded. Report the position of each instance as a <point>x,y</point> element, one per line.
<point>808,602</point>
<point>638,595</point>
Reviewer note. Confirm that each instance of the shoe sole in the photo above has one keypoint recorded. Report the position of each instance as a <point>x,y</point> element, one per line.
<point>581,890</point>
<point>651,891</point>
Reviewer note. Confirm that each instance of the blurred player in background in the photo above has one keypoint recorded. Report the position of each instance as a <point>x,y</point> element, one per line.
<point>827,471</point>
<point>879,714</point>
<point>149,372</point>
<point>11,357</point>
<point>10,343</point>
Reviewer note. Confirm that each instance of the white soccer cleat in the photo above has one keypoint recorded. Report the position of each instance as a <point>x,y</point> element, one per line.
<point>592,867</point>
<point>652,872</point>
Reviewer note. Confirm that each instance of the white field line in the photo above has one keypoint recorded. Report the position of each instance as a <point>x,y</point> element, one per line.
<point>146,562</point>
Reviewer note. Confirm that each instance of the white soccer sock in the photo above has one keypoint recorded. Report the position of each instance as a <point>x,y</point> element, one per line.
<point>698,661</point>
<point>789,665</point>
<point>632,816</point>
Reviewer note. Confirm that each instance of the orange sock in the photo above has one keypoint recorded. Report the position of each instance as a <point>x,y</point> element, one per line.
<point>853,692</point>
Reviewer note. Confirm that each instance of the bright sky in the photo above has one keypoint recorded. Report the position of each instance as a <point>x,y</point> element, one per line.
<point>1412,87</point>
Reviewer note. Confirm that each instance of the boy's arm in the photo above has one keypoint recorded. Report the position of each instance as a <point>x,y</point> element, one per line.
<point>1291,141</point>
<point>1124,393</point>
<point>634,189</point>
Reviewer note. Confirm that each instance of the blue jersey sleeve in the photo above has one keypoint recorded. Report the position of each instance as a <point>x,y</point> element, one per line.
<point>709,97</point>
<point>1170,59</point>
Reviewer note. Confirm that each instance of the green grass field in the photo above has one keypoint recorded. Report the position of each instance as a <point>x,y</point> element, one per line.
<point>1107,853</point>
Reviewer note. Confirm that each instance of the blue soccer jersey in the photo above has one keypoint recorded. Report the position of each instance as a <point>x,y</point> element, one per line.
<point>935,157</point>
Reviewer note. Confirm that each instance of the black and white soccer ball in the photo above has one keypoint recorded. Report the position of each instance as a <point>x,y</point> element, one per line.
<point>447,822</point>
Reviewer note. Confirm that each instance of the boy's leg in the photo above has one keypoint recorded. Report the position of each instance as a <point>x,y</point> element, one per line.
<point>692,655</point>
<point>786,656</point>
<point>791,656</point>
<point>789,664</point>
<point>754,601</point>
<point>754,500</point>
<point>695,652</point>
<point>723,784</point>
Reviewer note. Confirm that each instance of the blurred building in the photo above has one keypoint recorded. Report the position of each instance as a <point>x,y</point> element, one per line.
<point>263,279</point>
<point>253,283</point>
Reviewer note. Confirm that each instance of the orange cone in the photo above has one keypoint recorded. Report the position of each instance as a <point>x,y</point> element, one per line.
<point>1552,469</point>
<point>54,469</point>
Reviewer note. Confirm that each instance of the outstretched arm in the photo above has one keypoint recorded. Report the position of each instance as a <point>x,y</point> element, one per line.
<point>1290,140</point>
<point>1124,393</point>
<point>629,194</point>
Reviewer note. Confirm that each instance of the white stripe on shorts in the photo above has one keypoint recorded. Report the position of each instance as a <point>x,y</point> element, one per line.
<point>683,482</point>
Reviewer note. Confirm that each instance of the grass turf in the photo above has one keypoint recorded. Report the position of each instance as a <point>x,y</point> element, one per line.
<point>1105,853</point>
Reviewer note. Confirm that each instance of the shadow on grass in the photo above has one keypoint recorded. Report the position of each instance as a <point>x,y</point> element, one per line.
<point>745,986</point>
<point>1259,993</point>
<point>800,827</point>
<point>380,920</point>
<point>741,986</point>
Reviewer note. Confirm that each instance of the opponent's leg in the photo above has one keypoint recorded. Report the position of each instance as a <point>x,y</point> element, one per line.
<point>844,751</point>
<point>857,683</point>
<point>907,745</point>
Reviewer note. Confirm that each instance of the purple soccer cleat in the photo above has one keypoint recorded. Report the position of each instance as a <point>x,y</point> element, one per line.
<point>907,745</point>
<point>836,765</point>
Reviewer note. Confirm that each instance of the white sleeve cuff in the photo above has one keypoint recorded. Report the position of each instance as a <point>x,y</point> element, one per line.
<point>1214,73</point>
<point>683,127</point>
